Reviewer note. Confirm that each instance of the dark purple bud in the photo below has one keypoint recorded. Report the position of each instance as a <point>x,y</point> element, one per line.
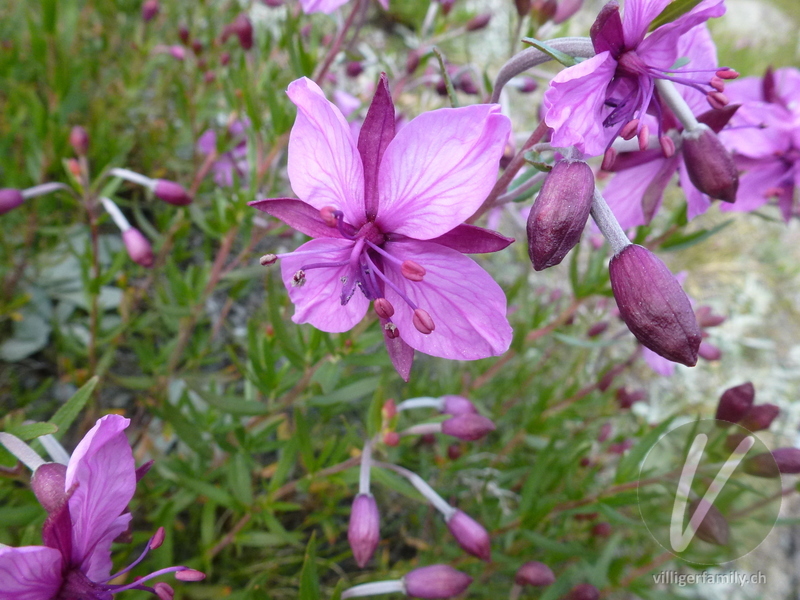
<point>224,58</point>
<point>605,432</point>
<point>534,573</point>
<point>150,9</point>
<point>354,68</point>
<point>597,329</point>
<point>654,306</point>
<point>447,6</point>
<point>454,452</point>
<point>458,405</point>
<point>713,528</point>
<point>626,399</point>
<point>706,317</point>
<point>10,199</point>
<point>79,140</point>
<point>242,28</point>
<point>565,9</point>
<point>760,417</point>
<point>138,247</point>
<point>527,85</point>
<point>171,192</point>
<point>363,532</point>
<point>412,62</point>
<point>49,485</point>
<point>467,85</point>
<point>436,582</point>
<point>583,591</point>
<point>183,34</point>
<point>709,165</point>
<point>273,3</point>
<point>709,351</point>
<point>735,402</point>
<point>559,214</point>
<point>523,7</point>
<point>468,427</point>
<point>479,22</point>
<point>622,447</point>
<point>787,459</point>
<point>197,48</point>
<point>762,465</point>
<point>602,530</point>
<point>470,535</point>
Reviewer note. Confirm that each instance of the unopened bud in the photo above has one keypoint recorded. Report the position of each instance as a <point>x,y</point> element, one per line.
<point>389,410</point>
<point>363,533</point>
<point>709,351</point>
<point>735,403</point>
<point>412,62</point>
<point>150,9</point>
<point>627,399</point>
<point>49,484</point>
<point>412,271</point>
<point>709,165</point>
<point>707,318</point>
<point>597,329</point>
<point>527,85</point>
<point>354,68</point>
<point>733,440</point>
<point>622,447</point>
<point>391,438</point>
<point>243,29</point>
<point>604,433</point>
<point>447,6</point>
<point>788,460</point>
<point>602,529</point>
<point>479,22</point>
<point>760,417</point>
<point>534,573</point>
<point>470,535</point>
<point>713,528</point>
<point>467,85</point>
<point>454,452</point>
<point>224,58</point>
<point>523,7</point>
<point>468,427</point>
<point>138,247</point>
<point>197,48</point>
<point>190,575</point>
<point>10,199</point>
<point>384,308</point>
<point>654,306</point>
<point>423,322</point>
<point>458,405</point>
<point>583,591</point>
<point>171,192</point>
<point>435,582</point>
<point>560,212</point>
<point>79,140</point>
<point>183,34</point>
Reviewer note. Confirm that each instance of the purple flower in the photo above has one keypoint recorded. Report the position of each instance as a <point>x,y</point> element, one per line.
<point>75,562</point>
<point>328,6</point>
<point>589,104</point>
<point>765,137</point>
<point>386,212</point>
<point>231,163</point>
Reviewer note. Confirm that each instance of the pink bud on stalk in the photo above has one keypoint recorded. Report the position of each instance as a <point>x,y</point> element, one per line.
<point>457,405</point>
<point>10,199</point>
<point>559,215</point>
<point>535,574</point>
<point>583,591</point>
<point>734,403</point>
<point>354,68</point>
<point>79,140</point>
<point>709,165</point>
<point>436,581</point>
<point>773,464</point>
<point>470,535</point>
<point>171,192</point>
<point>654,306</point>
<point>713,528</point>
<point>363,533</point>
<point>468,427</point>
<point>709,352</point>
<point>242,28</point>
<point>150,9</point>
<point>479,21</point>
<point>760,417</point>
<point>138,247</point>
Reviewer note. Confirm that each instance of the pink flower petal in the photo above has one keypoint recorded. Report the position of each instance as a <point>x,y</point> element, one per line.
<point>467,307</point>
<point>439,169</point>
<point>318,300</point>
<point>659,364</point>
<point>637,16</point>
<point>754,185</point>
<point>297,215</point>
<point>103,468</point>
<point>29,573</point>
<point>574,104</point>
<point>626,190</point>
<point>324,164</point>
<point>323,6</point>
<point>400,353</point>
<point>469,239</point>
<point>697,45</point>
<point>696,201</point>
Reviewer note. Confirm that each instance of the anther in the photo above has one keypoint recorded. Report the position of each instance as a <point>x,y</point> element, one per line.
<point>727,73</point>
<point>299,278</point>
<point>717,83</point>
<point>667,146</point>
<point>644,137</point>
<point>164,591</point>
<point>630,129</point>
<point>327,214</point>
<point>717,99</point>
<point>384,308</point>
<point>158,539</point>
<point>268,259</point>
<point>423,322</point>
<point>411,270</point>
<point>391,331</point>
<point>609,158</point>
<point>190,575</point>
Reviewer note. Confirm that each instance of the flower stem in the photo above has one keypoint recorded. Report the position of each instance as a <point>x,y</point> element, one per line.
<point>608,224</point>
<point>337,43</point>
<point>423,488</point>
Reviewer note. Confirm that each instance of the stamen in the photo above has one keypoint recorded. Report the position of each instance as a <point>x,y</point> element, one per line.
<point>268,259</point>
<point>190,575</point>
<point>391,331</point>
<point>155,542</point>
<point>629,130</point>
<point>340,263</point>
<point>644,137</point>
<point>164,591</point>
<point>727,73</point>
<point>609,158</point>
<point>339,215</point>
<point>328,215</point>
<point>717,99</point>
<point>422,321</point>
<point>157,539</point>
<point>413,271</point>
<point>384,308</point>
<point>181,574</point>
<point>384,253</point>
<point>299,279</point>
<point>667,146</point>
<point>391,284</point>
<point>717,83</point>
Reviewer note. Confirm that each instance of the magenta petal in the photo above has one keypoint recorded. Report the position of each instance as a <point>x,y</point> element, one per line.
<point>439,169</point>
<point>29,573</point>
<point>467,307</point>
<point>324,164</point>
<point>659,364</point>
<point>375,135</point>
<point>574,104</point>
<point>103,468</point>
<point>469,239</point>
<point>697,45</point>
<point>626,190</point>
<point>696,201</point>
<point>318,300</point>
<point>323,6</point>
<point>297,215</point>
<point>637,17</point>
<point>400,353</point>
<point>606,32</point>
<point>755,185</point>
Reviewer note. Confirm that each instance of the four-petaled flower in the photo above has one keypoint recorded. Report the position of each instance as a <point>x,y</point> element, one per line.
<point>387,214</point>
<point>87,505</point>
<point>589,104</point>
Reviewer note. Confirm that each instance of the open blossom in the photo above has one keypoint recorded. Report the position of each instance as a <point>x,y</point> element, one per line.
<point>590,103</point>
<point>387,211</point>
<point>231,163</point>
<point>328,6</point>
<point>87,503</point>
<point>765,138</point>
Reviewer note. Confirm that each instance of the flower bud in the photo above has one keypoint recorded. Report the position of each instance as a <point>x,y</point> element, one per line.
<point>523,7</point>
<point>454,452</point>
<point>458,405</point>
<point>79,140</point>
<point>412,62</point>
<point>363,533</point>
<point>479,22</point>
<point>627,399</point>
<point>354,68</point>
<point>762,465</point>
<point>10,199</point>
<point>468,427</point>
<point>787,459</point>
<point>527,85</point>
<point>243,29</point>
<point>138,247</point>
<point>150,9</point>
<point>605,432</point>
<point>183,34</point>
<point>760,417</point>
<point>713,528</point>
<point>49,485</point>
<point>559,214</point>
<point>535,574</point>
<point>470,535</point>
<point>467,85</point>
<point>597,329</point>
<point>735,402</point>
<point>654,306</point>
<point>171,192</point>
<point>709,165</point>
<point>706,317</point>
<point>583,591</point>
<point>602,529</point>
<point>436,581</point>
<point>709,351</point>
